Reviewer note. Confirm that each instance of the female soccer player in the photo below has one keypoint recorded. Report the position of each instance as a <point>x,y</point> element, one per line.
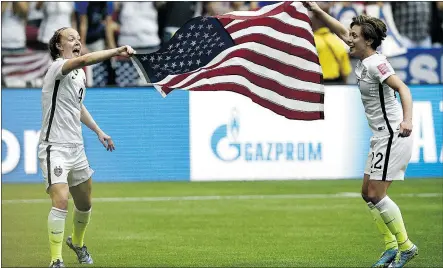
<point>61,153</point>
<point>391,124</point>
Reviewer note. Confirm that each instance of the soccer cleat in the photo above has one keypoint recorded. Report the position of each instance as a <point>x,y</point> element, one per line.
<point>82,252</point>
<point>56,264</point>
<point>386,258</point>
<point>404,257</point>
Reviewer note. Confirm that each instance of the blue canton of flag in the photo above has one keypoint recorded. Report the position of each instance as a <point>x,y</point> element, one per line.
<point>193,46</point>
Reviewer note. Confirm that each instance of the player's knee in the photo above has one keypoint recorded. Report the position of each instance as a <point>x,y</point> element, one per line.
<point>366,197</point>
<point>375,196</point>
<point>60,203</point>
<point>83,205</point>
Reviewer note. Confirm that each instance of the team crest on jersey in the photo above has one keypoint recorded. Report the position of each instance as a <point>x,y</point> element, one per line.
<point>363,73</point>
<point>58,171</point>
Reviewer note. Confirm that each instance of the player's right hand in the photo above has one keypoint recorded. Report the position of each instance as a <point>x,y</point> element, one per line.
<point>125,51</point>
<point>311,6</point>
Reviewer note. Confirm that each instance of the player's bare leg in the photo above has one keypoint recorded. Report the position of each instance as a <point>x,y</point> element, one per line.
<point>82,214</point>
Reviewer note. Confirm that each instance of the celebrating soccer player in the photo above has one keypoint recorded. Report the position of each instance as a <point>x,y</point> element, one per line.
<point>391,124</point>
<point>61,152</point>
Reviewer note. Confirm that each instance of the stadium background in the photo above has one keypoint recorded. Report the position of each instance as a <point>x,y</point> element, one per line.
<point>222,137</point>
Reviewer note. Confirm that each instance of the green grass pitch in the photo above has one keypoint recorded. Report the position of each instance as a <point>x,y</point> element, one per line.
<point>225,224</point>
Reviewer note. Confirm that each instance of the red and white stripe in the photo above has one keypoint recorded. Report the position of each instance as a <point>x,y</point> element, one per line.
<point>17,69</point>
<point>274,62</point>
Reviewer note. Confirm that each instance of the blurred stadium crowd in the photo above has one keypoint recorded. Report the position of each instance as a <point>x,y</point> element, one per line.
<point>28,26</point>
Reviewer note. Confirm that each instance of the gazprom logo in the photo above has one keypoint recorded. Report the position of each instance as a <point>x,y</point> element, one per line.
<point>220,135</point>
<point>227,146</point>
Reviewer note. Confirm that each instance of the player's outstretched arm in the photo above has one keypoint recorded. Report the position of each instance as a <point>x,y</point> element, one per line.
<point>339,29</point>
<point>86,118</point>
<point>396,84</point>
<point>96,57</point>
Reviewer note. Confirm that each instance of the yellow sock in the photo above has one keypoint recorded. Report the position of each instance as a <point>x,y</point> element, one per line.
<point>388,237</point>
<point>391,215</point>
<point>56,229</point>
<point>81,220</point>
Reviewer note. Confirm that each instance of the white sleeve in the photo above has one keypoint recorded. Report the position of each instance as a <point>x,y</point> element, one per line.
<point>380,70</point>
<point>57,69</point>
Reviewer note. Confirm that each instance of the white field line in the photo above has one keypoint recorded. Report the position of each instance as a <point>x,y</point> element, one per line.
<point>218,197</point>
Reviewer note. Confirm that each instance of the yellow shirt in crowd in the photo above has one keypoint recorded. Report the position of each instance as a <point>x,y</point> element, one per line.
<point>334,59</point>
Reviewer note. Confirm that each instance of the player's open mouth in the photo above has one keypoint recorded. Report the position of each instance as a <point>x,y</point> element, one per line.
<point>76,51</point>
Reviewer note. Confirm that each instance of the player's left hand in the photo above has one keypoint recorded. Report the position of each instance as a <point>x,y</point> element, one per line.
<point>405,129</point>
<point>106,140</point>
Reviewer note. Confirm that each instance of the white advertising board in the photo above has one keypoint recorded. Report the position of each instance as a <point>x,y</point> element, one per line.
<point>232,138</point>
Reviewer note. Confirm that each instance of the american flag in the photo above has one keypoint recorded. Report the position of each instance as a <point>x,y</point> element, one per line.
<point>268,55</point>
<point>25,69</point>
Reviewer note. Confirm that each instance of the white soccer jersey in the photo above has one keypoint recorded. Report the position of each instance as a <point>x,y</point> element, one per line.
<point>62,99</point>
<point>383,111</point>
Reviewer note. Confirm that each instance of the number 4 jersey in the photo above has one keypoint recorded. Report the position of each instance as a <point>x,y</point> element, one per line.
<point>62,100</point>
